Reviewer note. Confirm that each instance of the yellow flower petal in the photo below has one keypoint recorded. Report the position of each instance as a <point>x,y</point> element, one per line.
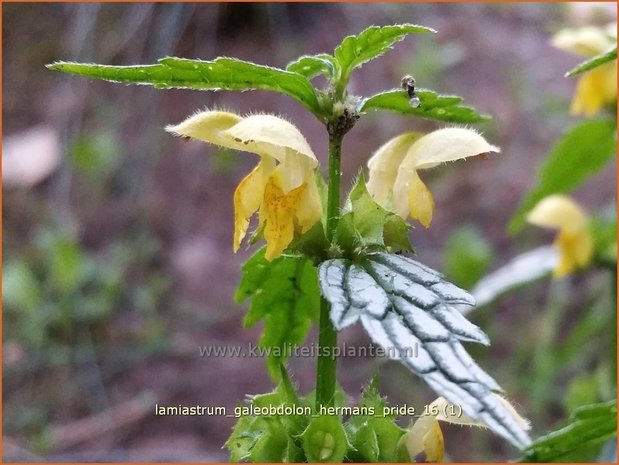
<point>426,436</point>
<point>576,251</point>
<point>595,89</point>
<point>248,197</point>
<point>574,241</point>
<point>420,201</point>
<point>434,444</point>
<point>279,210</point>
<point>383,166</point>
<point>309,209</point>
<point>294,171</point>
<point>558,211</point>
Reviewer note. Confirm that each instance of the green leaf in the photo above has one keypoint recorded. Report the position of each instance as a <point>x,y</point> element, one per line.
<point>66,261</point>
<point>365,224</point>
<point>245,434</point>
<point>433,106</point>
<point>354,51</point>
<point>582,390</point>
<point>583,151</point>
<point>325,440</point>
<point>272,445</point>
<point>373,437</point>
<point>413,313</point>
<point>364,441</point>
<point>589,425</point>
<point>313,244</point>
<point>284,394</point>
<point>219,74</point>
<point>466,256</point>
<point>263,437</point>
<point>594,62</point>
<point>313,65</point>
<point>604,232</point>
<point>284,293</point>
<point>21,291</point>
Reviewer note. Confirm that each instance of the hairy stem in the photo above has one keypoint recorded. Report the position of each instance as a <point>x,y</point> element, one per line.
<point>327,336</point>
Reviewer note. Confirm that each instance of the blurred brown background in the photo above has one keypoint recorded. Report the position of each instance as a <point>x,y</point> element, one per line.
<point>117,256</point>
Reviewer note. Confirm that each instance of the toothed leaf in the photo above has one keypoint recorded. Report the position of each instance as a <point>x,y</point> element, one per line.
<point>312,65</point>
<point>284,293</point>
<point>411,311</point>
<point>219,74</point>
<point>354,51</point>
<point>432,106</point>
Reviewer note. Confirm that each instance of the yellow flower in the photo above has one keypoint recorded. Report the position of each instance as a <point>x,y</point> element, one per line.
<point>574,241</point>
<point>598,87</point>
<point>393,180</point>
<point>426,436</point>
<point>282,187</point>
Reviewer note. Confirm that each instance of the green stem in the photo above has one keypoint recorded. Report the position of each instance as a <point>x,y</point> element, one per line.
<point>325,369</point>
<point>327,336</point>
<point>333,193</point>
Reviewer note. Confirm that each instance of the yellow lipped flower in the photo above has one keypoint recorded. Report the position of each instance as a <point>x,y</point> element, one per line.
<point>393,179</point>
<point>425,436</point>
<point>574,240</point>
<point>598,87</point>
<point>282,187</point>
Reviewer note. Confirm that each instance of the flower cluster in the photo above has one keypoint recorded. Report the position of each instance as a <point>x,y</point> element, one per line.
<point>283,190</point>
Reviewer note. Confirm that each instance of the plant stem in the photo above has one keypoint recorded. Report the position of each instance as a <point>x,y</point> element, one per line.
<point>325,368</point>
<point>327,336</point>
<point>333,192</point>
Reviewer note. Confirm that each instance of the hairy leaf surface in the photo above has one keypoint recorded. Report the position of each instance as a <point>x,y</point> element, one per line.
<point>371,43</point>
<point>219,74</point>
<point>433,106</point>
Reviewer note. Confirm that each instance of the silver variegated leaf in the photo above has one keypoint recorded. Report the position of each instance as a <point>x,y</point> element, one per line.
<point>412,312</point>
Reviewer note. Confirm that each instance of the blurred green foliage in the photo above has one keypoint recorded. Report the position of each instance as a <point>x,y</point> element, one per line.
<point>64,308</point>
<point>466,256</point>
<point>57,289</point>
<point>95,155</point>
